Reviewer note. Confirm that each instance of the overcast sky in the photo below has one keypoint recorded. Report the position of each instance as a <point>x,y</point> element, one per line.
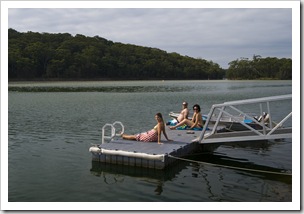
<point>220,35</point>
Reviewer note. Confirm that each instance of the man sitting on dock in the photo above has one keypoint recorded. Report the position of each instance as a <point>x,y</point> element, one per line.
<point>181,116</point>
<point>184,113</point>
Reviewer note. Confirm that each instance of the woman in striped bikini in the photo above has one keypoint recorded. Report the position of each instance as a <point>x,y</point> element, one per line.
<point>153,135</point>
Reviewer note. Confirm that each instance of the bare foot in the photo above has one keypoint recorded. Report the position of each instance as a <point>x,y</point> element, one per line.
<point>120,134</point>
<point>171,127</point>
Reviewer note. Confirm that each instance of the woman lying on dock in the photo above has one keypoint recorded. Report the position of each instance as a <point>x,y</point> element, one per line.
<point>196,122</point>
<point>154,135</point>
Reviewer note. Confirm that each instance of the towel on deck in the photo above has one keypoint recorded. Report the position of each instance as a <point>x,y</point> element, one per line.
<point>184,127</point>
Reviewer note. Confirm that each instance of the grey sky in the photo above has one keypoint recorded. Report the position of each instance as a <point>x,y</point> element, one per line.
<point>220,35</point>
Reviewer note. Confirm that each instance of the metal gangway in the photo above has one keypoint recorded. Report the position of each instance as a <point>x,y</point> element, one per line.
<point>268,129</point>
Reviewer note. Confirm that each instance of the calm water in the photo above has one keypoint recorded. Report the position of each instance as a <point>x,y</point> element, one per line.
<point>50,133</point>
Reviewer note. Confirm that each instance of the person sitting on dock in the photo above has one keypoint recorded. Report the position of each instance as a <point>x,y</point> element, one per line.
<point>184,113</point>
<point>196,122</point>
<point>153,135</point>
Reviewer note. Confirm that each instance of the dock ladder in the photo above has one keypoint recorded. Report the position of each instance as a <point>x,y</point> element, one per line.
<point>266,132</point>
<point>113,131</point>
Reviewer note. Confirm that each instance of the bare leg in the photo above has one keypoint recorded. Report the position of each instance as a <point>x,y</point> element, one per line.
<point>185,121</point>
<point>128,137</point>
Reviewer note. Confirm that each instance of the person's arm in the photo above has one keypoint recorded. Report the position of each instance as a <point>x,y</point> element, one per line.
<point>159,133</point>
<point>195,122</point>
<point>194,118</point>
<point>186,113</point>
<point>165,134</point>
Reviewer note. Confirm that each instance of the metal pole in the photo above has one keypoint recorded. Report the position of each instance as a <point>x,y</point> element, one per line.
<point>280,123</point>
<point>270,119</point>
<point>206,124</point>
<point>263,122</point>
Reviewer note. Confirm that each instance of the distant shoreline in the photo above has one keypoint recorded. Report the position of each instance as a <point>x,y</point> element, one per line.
<point>115,79</point>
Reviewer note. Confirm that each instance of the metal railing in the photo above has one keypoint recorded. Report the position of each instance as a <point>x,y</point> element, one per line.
<point>113,131</point>
<point>267,132</point>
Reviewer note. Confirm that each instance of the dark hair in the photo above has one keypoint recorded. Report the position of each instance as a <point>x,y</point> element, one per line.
<point>159,115</point>
<point>198,107</point>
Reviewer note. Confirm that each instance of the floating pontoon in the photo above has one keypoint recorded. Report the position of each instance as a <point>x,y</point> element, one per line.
<point>152,155</point>
<point>148,154</point>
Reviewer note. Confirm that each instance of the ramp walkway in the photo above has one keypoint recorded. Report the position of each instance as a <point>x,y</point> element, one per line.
<point>268,128</point>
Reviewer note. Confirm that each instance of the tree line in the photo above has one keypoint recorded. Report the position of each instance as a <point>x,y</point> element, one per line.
<point>44,55</point>
<point>260,68</point>
<point>33,55</point>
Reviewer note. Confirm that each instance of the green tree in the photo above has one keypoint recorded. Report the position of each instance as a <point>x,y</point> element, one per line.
<point>260,68</point>
<point>35,55</point>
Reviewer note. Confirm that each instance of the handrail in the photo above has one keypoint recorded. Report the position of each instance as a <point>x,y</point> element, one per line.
<point>257,100</point>
<point>103,136</point>
<point>232,104</point>
<point>113,131</point>
<point>122,128</point>
<point>280,123</point>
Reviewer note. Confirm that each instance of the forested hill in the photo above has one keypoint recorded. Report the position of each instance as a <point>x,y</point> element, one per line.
<point>63,56</point>
<point>260,68</point>
<point>37,56</point>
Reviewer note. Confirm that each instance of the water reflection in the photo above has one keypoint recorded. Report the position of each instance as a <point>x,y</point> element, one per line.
<point>112,173</point>
<point>211,172</point>
<point>242,166</point>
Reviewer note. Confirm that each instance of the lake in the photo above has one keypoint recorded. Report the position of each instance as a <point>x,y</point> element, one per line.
<point>51,126</point>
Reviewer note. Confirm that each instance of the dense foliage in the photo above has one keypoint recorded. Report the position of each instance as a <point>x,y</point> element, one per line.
<point>52,56</point>
<point>260,68</point>
<point>63,56</point>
